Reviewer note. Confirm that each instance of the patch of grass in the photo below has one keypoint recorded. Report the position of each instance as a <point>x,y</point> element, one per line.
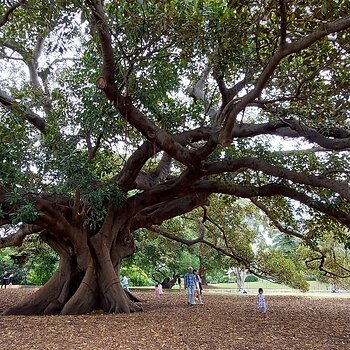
<point>314,286</point>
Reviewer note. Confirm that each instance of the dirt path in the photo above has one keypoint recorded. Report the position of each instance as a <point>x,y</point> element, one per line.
<point>224,322</point>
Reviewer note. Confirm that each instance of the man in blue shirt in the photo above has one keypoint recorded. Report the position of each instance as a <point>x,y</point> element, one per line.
<point>190,286</point>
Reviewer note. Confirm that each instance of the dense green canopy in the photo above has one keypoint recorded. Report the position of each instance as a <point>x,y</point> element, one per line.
<point>122,115</point>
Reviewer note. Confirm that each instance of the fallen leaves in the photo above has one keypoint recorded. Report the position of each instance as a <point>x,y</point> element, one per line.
<point>224,322</point>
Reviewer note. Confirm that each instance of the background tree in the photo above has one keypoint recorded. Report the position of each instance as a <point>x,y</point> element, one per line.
<point>193,97</point>
<point>286,244</point>
<point>33,263</point>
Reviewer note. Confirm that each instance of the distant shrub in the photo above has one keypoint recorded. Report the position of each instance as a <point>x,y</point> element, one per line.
<point>136,276</point>
<point>310,278</point>
<point>218,276</point>
<point>251,278</point>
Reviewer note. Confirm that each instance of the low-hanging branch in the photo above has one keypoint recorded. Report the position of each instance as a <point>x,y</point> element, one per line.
<point>251,266</point>
<point>289,231</point>
<point>199,239</point>
<point>326,272</point>
<point>282,228</point>
<point>339,265</point>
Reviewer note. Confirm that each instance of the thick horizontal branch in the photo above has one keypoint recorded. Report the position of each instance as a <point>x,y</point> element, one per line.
<point>336,139</point>
<point>188,242</point>
<point>162,211</point>
<point>340,140</point>
<point>340,187</point>
<point>232,109</point>
<point>16,239</point>
<point>271,190</point>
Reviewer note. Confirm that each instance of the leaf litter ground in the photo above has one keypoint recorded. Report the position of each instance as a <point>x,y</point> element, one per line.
<point>223,322</point>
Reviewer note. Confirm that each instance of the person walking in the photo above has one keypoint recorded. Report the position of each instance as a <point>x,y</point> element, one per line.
<point>190,287</point>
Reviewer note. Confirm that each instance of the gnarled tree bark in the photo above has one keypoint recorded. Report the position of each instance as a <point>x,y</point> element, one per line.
<point>87,278</point>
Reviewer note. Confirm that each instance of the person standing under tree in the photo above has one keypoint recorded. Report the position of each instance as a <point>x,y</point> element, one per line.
<point>10,279</point>
<point>158,292</point>
<point>198,287</point>
<point>190,287</point>
<point>261,302</point>
<point>125,283</point>
<point>5,279</point>
<point>179,281</point>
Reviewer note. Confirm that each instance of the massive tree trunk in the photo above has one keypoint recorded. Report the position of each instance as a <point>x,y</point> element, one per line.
<point>87,277</point>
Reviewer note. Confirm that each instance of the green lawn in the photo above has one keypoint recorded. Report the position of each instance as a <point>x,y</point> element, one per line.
<point>317,289</point>
<point>251,286</point>
<point>270,286</point>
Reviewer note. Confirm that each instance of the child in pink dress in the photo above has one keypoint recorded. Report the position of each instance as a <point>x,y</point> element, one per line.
<point>158,292</point>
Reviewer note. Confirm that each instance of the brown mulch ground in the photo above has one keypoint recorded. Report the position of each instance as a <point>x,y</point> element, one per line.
<point>224,322</point>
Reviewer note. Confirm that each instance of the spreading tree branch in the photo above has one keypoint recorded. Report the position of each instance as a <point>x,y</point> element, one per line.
<point>6,16</point>
<point>321,266</point>
<point>162,211</point>
<point>232,109</point>
<point>282,228</point>
<point>124,104</point>
<point>270,190</point>
<point>234,165</point>
<point>33,118</point>
<point>199,239</point>
<point>250,265</point>
<point>16,239</point>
